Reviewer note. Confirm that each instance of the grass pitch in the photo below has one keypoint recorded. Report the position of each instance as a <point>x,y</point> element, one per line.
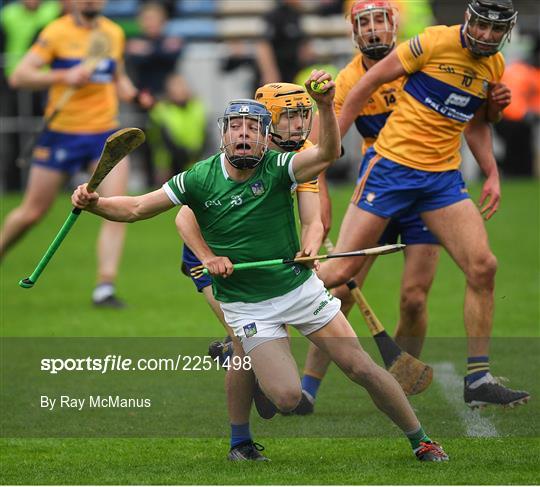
<point>491,447</point>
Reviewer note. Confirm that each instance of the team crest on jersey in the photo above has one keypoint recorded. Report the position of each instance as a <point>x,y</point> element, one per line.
<point>236,200</point>
<point>250,329</point>
<point>257,188</point>
<point>60,155</point>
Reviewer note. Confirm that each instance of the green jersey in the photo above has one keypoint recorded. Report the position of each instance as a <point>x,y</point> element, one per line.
<point>245,221</point>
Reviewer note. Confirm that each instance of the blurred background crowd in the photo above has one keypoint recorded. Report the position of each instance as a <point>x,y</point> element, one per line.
<point>195,55</point>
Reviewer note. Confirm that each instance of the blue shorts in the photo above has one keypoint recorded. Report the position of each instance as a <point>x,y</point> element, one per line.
<point>189,262</point>
<point>391,190</point>
<point>409,230</point>
<point>68,153</point>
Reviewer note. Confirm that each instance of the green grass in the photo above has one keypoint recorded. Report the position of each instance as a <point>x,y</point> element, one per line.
<point>162,303</point>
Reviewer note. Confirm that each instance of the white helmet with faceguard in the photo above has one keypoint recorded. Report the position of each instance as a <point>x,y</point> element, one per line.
<point>375,25</point>
<point>246,147</point>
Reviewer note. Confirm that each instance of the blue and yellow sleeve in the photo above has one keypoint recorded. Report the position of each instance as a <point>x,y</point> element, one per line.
<point>415,53</point>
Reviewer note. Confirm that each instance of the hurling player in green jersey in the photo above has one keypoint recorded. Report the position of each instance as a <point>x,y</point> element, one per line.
<point>291,108</point>
<point>241,199</point>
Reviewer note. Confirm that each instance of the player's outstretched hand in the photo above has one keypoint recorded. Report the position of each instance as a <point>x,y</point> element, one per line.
<point>309,252</point>
<point>490,197</point>
<point>82,199</point>
<point>500,96</point>
<point>325,83</point>
<point>219,266</point>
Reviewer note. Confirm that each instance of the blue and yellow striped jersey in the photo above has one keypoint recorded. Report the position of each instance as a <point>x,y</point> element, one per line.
<point>94,107</point>
<point>446,85</point>
<point>371,119</point>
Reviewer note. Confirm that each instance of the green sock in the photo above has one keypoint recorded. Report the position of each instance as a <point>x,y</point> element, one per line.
<point>417,436</point>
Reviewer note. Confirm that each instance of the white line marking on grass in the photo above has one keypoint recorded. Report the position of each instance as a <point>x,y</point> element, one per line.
<point>476,425</point>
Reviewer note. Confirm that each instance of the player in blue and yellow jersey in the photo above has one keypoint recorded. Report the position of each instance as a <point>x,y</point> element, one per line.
<point>452,85</point>
<point>75,137</point>
<point>375,26</point>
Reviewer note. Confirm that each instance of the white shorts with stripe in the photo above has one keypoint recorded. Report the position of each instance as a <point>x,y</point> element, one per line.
<point>308,308</point>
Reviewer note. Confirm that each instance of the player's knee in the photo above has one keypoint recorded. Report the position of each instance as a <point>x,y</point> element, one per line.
<point>286,398</point>
<point>413,301</point>
<point>483,270</point>
<point>32,216</point>
<point>343,273</point>
<point>360,369</point>
<point>344,295</point>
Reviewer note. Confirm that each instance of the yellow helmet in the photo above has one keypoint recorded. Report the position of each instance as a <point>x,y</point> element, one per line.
<point>287,98</point>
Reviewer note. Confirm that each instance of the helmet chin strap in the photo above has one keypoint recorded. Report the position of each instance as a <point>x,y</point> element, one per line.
<point>376,53</point>
<point>286,145</point>
<point>243,162</point>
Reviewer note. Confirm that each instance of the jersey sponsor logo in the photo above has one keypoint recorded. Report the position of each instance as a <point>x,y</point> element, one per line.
<point>250,329</point>
<point>257,188</point>
<point>448,111</point>
<point>458,100</point>
<point>236,200</point>
<point>104,71</point>
<point>445,98</point>
<point>209,203</point>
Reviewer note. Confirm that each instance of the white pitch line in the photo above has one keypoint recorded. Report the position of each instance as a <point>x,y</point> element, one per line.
<point>476,425</point>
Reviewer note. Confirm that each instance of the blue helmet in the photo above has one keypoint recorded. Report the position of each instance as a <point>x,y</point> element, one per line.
<point>245,109</point>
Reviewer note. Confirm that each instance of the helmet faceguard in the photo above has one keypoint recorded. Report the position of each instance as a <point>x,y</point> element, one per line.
<point>292,113</point>
<point>243,145</point>
<point>375,25</point>
<point>496,17</point>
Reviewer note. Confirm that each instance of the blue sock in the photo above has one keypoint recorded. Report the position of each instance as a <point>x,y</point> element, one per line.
<point>239,434</point>
<point>311,384</point>
<point>477,367</point>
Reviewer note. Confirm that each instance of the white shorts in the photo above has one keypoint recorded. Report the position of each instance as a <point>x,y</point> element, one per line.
<point>308,308</point>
